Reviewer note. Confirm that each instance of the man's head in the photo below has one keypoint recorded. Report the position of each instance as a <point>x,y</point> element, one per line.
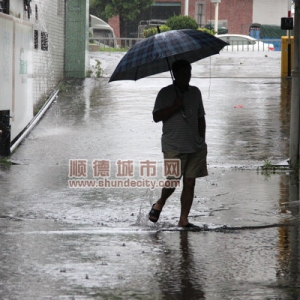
<point>182,73</point>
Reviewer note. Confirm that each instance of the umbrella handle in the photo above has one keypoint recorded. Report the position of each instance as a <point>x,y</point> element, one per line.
<point>158,31</point>
<point>170,69</point>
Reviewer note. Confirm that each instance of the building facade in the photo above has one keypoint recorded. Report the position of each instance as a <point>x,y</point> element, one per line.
<point>33,57</point>
<point>235,15</point>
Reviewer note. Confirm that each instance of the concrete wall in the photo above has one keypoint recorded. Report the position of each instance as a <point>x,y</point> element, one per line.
<point>33,50</point>
<point>77,34</point>
<point>16,9</point>
<point>48,64</point>
<point>16,72</point>
<point>236,13</point>
<point>269,11</point>
<point>30,69</point>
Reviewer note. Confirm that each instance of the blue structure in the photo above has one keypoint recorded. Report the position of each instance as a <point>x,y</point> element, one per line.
<point>268,33</point>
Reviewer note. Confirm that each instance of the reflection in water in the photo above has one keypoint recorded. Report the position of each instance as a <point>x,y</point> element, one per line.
<point>179,276</point>
<point>288,237</point>
<point>250,122</point>
<point>190,287</point>
<point>78,230</point>
<point>285,106</point>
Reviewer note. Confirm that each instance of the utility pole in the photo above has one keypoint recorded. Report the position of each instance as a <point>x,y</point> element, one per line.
<point>186,8</point>
<point>216,2</point>
<point>295,105</point>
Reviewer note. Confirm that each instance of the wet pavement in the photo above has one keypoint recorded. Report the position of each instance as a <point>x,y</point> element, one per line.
<point>62,242</point>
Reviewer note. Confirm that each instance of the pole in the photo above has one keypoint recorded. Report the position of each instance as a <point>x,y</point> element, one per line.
<point>289,54</point>
<point>216,17</point>
<point>186,8</point>
<point>295,112</point>
<point>289,44</point>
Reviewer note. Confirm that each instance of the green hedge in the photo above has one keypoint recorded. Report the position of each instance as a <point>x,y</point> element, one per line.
<point>182,22</point>
<point>176,23</point>
<point>153,30</point>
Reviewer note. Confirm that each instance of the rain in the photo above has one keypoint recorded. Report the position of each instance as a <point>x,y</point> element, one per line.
<point>96,242</point>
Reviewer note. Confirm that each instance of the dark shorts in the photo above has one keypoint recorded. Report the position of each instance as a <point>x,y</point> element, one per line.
<point>193,165</point>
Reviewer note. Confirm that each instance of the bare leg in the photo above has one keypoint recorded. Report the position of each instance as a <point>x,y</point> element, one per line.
<point>186,199</point>
<point>165,194</point>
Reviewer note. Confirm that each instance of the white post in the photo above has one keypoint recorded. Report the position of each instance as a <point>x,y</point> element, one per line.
<point>216,2</point>
<point>216,17</point>
<point>186,8</point>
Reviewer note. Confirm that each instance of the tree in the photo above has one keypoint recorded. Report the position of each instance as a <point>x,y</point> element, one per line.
<point>125,9</point>
<point>181,22</point>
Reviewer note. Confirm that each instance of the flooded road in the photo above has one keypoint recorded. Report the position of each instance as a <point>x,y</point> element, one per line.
<point>95,242</point>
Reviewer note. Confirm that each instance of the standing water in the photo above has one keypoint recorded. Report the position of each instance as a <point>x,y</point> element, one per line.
<point>59,241</point>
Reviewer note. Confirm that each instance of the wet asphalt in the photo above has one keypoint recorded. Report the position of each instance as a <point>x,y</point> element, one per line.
<point>63,242</point>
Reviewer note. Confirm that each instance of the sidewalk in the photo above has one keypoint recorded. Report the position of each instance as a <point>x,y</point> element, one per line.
<point>59,242</point>
<point>223,65</point>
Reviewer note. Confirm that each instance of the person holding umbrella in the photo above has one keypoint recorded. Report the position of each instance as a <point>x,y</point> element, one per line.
<point>180,108</point>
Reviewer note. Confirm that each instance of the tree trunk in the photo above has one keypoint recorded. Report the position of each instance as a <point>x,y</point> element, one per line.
<point>123,27</point>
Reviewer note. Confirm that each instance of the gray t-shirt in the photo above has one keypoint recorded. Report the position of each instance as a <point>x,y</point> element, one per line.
<point>180,131</point>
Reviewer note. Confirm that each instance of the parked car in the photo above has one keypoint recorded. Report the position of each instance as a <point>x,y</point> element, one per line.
<point>239,42</point>
<point>145,24</point>
<point>101,32</point>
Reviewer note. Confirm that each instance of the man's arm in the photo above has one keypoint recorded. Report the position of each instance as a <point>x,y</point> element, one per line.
<point>202,127</point>
<point>164,114</point>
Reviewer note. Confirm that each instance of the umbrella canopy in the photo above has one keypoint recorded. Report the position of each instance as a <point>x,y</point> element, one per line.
<point>156,54</point>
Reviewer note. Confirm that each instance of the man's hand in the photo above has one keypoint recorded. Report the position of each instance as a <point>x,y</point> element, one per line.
<point>178,102</point>
<point>164,114</point>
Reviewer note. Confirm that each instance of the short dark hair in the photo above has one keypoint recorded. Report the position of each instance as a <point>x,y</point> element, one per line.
<point>178,64</point>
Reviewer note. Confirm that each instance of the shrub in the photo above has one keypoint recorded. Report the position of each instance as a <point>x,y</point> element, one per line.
<point>181,22</point>
<point>207,31</point>
<point>153,30</point>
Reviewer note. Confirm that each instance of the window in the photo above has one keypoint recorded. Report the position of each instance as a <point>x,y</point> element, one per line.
<point>44,41</point>
<point>36,39</point>
<point>36,13</point>
<point>200,13</point>
<point>4,6</point>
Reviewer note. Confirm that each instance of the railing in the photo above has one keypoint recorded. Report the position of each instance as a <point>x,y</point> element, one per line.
<point>124,44</point>
<point>258,45</point>
<point>113,44</point>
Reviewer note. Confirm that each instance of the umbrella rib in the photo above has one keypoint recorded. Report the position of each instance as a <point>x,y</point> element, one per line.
<point>151,53</point>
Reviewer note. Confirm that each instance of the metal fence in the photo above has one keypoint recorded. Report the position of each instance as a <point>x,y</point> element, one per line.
<point>123,44</point>
<point>113,44</point>
<point>251,45</point>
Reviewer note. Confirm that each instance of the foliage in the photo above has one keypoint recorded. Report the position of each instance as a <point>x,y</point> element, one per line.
<point>207,31</point>
<point>62,86</point>
<point>268,168</point>
<point>89,73</point>
<point>153,30</point>
<point>96,70</point>
<point>126,9</point>
<point>267,165</point>
<point>181,22</point>
<point>112,49</point>
<point>96,9</point>
<point>5,161</point>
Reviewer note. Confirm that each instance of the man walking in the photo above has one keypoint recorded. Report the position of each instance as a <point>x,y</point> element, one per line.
<point>179,106</point>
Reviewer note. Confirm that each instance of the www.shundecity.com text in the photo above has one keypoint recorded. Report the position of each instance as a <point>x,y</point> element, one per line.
<point>123,183</point>
<point>102,171</point>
